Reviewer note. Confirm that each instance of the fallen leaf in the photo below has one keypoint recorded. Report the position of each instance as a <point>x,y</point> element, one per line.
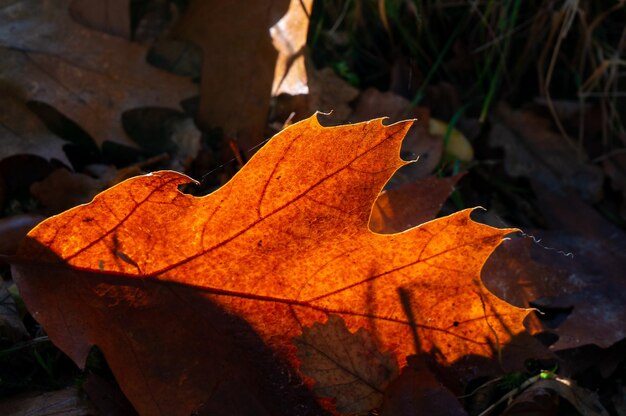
<point>171,286</point>
<point>564,271</point>
<point>22,132</point>
<point>346,366</point>
<point>411,204</point>
<point>198,358</point>
<point>289,38</point>
<point>533,150</point>
<point>89,76</point>
<point>593,283</point>
<point>63,189</point>
<point>594,288</point>
<point>515,275</point>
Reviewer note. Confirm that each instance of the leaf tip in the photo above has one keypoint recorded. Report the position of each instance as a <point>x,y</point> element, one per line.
<point>179,178</point>
<point>488,221</point>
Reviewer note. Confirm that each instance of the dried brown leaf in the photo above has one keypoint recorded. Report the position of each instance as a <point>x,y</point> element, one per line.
<point>344,365</point>
<point>88,76</point>
<point>534,150</point>
<point>22,132</point>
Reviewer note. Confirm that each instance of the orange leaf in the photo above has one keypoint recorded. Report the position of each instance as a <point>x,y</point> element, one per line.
<point>281,246</point>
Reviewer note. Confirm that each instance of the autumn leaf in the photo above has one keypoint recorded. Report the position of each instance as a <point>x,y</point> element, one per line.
<point>187,295</point>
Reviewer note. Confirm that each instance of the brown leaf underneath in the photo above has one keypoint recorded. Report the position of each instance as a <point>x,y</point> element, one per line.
<point>22,132</point>
<point>567,272</point>
<point>411,204</point>
<point>88,76</point>
<point>345,366</point>
<point>534,151</point>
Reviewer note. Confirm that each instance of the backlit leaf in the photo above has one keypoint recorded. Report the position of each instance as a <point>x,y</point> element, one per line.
<point>178,291</point>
